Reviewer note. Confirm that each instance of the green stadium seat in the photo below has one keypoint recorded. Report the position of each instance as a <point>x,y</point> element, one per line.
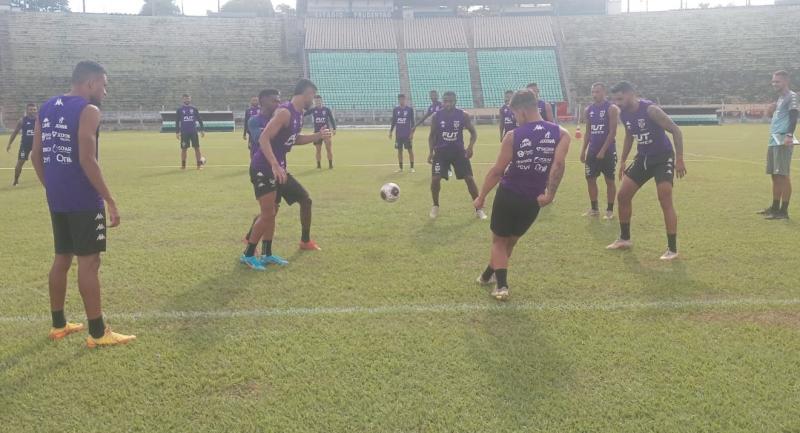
<point>356,80</point>
<point>442,71</point>
<point>513,69</point>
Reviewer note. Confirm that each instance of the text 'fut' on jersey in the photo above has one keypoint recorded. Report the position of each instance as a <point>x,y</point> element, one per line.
<point>187,119</point>
<point>508,119</point>
<point>255,125</point>
<point>403,120</point>
<point>321,117</point>
<point>68,189</point>
<point>28,128</point>
<point>284,140</point>
<point>599,128</point>
<point>534,149</point>
<point>650,137</point>
<point>450,124</point>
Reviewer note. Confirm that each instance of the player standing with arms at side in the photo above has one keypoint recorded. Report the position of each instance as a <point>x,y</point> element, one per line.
<point>529,169</point>
<point>655,158</point>
<point>253,110</point>
<point>545,110</point>
<point>435,107</point>
<point>507,120</point>
<point>323,119</point>
<point>402,121</point>
<point>186,119</point>
<point>26,126</point>
<point>781,146</point>
<point>65,158</point>
<point>446,147</point>
<point>274,183</point>
<point>599,151</point>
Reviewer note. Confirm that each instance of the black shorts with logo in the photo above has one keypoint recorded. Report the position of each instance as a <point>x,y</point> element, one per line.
<point>512,215</point>
<point>455,157</point>
<point>264,183</point>
<point>658,167</point>
<point>189,139</point>
<point>607,166</point>
<point>80,233</point>
<point>403,143</point>
<point>25,151</point>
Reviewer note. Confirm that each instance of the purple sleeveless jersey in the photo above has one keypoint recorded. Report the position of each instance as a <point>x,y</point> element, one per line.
<point>283,142</point>
<point>320,118</point>
<point>257,158</point>
<point>542,108</point>
<point>403,118</point>
<point>28,127</point>
<point>435,107</point>
<point>451,129</point>
<point>534,150</point>
<point>508,119</point>
<point>68,188</point>
<point>253,111</point>
<point>188,119</point>
<point>650,137</point>
<point>599,127</point>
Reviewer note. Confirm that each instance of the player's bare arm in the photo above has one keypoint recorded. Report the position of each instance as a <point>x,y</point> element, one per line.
<point>87,145</point>
<point>424,118</point>
<point>588,127</point>
<point>200,121</point>
<point>548,112</point>
<point>16,131</point>
<point>613,122</point>
<point>788,140</point>
<point>659,116</point>
<point>473,135</point>
<point>432,141</point>
<point>281,118</point>
<point>36,152</point>
<point>496,172</point>
<point>394,123</point>
<point>323,133</point>
<point>556,170</point>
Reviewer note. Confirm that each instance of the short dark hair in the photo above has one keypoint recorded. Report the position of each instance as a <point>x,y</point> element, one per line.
<point>509,91</point>
<point>317,96</point>
<point>524,99</point>
<point>268,92</point>
<point>302,85</point>
<point>30,104</point>
<point>85,70</point>
<point>782,73</point>
<point>449,93</point>
<point>532,85</point>
<point>185,95</point>
<point>599,84</point>
<point>402,95</point>
<point>623,86</point>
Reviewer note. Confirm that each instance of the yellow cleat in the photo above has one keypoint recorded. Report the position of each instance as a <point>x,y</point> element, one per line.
<point>109,339</point>
<point>70,328</point>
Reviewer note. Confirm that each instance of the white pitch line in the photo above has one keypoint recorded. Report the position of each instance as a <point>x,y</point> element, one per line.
<point>722,158</point>
<point>433,308</point>
<point>353,165</point>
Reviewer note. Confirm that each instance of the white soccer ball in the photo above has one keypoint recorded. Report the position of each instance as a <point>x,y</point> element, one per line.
<point>390,192</point>
<point>202,160</point>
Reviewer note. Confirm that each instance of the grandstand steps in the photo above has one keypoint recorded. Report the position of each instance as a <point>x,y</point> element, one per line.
<point>474,70</point>
<point>402,60</point>
<point>7,111</point>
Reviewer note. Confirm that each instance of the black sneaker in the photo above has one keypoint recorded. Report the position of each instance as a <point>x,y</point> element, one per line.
<point>778,216</point>
<point>766,212</point>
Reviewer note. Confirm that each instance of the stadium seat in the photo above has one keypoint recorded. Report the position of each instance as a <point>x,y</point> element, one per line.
<point>356,80</point>
<point>513,69</point>
<point>442,71</point>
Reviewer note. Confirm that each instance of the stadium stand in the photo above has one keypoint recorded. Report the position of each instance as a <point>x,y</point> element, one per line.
<point>684,57</point>
<point>356,80</point>
<point>151,60</point>
<point>442,71</point>
<point>513,69</point>
<point>350,34</point>
<point>513,32</point>
<point>438,33</point>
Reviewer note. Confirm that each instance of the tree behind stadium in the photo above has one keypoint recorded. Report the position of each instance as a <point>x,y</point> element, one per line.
<point>160,7</point>
<point>262,8</point>
<point>41,5</point>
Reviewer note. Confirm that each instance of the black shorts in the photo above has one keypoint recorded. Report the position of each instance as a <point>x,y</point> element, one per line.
<point>607,166</point>
<point>264,183</point>
<point>659,167</point>
<point>512,215</point>
<point>25,151</point>
<point>403,143</point>
<point>457,158</point>
<point>79,233</point>
<point>189,139</point>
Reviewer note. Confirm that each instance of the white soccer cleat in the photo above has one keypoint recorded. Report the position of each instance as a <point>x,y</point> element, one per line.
<point>412,170</point>
<point>500,293</point>
<point>434,212</point>
<point>399,170</point>
<point>480,214</point>
<point>669,255</point>
<point>592,213</point>
<point>609,215</point>
<point>620,244</point>
<point>492,280</point>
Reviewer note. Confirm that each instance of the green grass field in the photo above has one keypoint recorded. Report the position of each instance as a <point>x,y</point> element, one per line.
<point>385,330</point>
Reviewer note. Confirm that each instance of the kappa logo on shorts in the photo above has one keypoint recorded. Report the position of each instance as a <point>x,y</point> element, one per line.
<point>100,227</point>
<point>272,182</point>
<point>642,123</point>
<point>260,174</point>
<point>101,237</point>
<point>261,184</point>
<point>98,217</point>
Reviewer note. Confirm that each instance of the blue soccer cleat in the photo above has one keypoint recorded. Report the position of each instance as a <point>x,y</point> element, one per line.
<point>273,260</point>
<point>252,262</point>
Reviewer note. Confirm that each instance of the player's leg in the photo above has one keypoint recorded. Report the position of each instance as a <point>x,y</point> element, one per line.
<point>776,189</point>
<point>436,188</point>
<point>611,193</point>
<point>18,170</point>
<point>318,153</point>
<point>263,229</point>
<point>57,278</point>
<point>664,190</point>
<point>329,151</point>
<point>591,183</point>
<point>89,287</point>
<point>410,149</point>
<point>625,196</point>
<point>196,146</point>
<point>399,158</point>
<point>293,192</point>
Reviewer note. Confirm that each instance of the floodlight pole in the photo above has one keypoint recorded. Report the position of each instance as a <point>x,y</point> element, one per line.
<point>84,6</point>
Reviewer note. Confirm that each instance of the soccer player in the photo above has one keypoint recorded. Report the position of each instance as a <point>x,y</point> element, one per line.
<point>402,120</point>
<point>529,169</point>
<point>507,120</point>
<point>323,119</point>
<point>25,126</point>
<point>269,176</point>
<point>251,111</point>
<point>65,160</point>
<point>545,110</point>
<point>781,146</point>
<point>599,151</point>
<point>446,148</point>
<point>186,120</point>
<point>434,108</point>
<point>655,159</point>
